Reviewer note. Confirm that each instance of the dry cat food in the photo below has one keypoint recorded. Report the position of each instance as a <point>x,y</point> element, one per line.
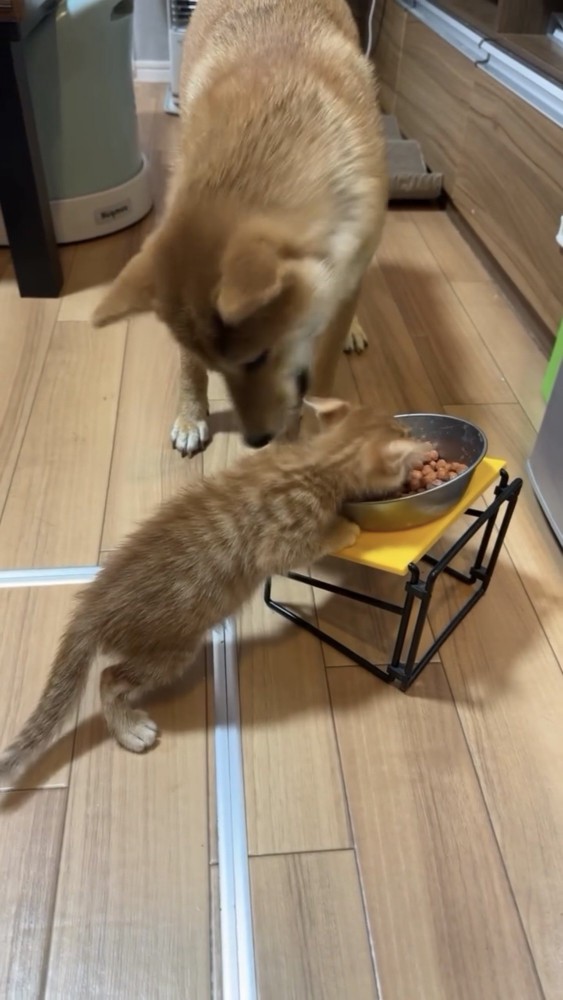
<point>431,472</point>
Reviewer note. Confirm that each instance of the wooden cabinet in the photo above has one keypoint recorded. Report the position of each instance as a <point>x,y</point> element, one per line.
<point>433,89</point>
<point>11,10</point>
<point>30,11</point>
<point>527,16</point>
<point>388,54</point>
<point>519,26</point>
<point>502,160</point>
<point>479,14</point>
<point>509,186</point>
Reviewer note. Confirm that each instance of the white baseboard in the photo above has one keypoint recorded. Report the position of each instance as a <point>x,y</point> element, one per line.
<point>152,70</point>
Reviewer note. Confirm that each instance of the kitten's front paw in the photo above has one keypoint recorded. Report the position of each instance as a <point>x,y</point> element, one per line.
<point>356,340</point>
<point>190,436</point>
<point>344,534</point>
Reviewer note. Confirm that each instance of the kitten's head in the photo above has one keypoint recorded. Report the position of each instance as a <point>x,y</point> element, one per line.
<point>375,453</point>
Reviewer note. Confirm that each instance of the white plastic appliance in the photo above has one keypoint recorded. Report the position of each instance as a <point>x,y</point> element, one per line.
<point>179,13</point>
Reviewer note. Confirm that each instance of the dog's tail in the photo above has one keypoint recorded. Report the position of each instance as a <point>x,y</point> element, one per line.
<point>64,686</point>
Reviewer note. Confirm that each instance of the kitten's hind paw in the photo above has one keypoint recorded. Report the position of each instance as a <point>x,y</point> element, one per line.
<point>136,731</point>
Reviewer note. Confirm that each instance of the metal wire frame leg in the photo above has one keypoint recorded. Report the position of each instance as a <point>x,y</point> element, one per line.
<point>418,592</point>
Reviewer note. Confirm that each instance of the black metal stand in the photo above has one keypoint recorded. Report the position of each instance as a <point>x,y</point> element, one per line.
<point>419,590</point>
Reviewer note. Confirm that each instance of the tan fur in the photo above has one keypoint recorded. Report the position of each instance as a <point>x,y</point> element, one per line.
<point>201,556</point>
<point>275,208</point>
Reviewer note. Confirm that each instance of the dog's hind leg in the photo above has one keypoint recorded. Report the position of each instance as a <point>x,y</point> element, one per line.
<point>190,432</point>
<point>328,349</point>
<point>356,340</point>
<point>330,345</point>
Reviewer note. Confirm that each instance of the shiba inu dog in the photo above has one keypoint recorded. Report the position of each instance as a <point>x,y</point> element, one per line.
<point>275,208</point>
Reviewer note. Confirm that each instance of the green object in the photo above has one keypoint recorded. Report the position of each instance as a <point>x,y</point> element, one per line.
<point>553,365</point>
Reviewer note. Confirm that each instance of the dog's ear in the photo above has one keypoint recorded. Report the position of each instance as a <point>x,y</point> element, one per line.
<point>328,411</point>
<point>254,272</point>
<point>133,291</point>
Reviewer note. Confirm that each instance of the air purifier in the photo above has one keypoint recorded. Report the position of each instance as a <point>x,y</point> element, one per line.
<point>81,80</point>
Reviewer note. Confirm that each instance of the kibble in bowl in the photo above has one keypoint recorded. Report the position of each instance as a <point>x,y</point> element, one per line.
<point>435,486</point>
<point>430,473</point>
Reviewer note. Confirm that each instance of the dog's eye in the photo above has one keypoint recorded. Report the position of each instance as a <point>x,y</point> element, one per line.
<point>251,366</point>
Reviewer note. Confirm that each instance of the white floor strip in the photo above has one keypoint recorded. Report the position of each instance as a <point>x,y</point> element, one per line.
<point>48,577</point>
<point>245,936</point>
<point>237,942</point>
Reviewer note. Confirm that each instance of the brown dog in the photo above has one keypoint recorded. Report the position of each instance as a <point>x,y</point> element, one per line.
<point>275,209</point>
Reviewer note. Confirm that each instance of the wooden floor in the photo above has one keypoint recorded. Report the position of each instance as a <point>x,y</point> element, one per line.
<point>403,847</point>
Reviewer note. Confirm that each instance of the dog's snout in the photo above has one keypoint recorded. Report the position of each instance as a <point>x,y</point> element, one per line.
<point>258,440</point>
<point>302,382</point>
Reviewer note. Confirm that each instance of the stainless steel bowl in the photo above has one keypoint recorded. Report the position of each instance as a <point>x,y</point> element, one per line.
<point>457,440</point>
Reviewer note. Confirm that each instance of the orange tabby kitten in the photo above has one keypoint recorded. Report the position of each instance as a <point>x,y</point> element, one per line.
<point>201,556</point>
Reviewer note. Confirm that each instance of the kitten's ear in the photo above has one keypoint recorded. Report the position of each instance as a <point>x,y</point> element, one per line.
<point>133,291</point>
<point>328,411</point>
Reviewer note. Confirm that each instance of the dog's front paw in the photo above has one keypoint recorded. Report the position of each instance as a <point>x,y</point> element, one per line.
<point>190,436</point>
<point>356,340</point>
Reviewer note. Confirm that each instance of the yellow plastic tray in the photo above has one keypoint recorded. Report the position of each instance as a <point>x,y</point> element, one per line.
<point>392,551</point>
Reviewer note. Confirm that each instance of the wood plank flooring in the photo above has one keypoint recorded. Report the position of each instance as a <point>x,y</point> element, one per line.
<point>314,942</point>
<point>430,863</point>
<point>401,846</point>
<point>32,828</point>
<point>132,912</point>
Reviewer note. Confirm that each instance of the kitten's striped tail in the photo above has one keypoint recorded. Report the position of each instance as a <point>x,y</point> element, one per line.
<point>64,686</point>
